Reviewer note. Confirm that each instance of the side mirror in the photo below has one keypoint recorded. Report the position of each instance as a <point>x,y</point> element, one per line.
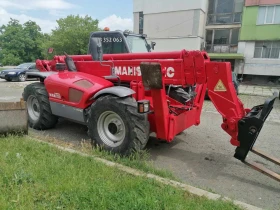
<point>149,47</point>
<point>95,48</point>
<point>153,44</point>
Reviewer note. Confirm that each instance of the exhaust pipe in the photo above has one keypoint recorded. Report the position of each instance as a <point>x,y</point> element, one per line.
<point>13,118</point>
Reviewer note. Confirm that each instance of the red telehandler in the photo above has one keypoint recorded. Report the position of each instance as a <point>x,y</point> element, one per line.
<point>122,92</point>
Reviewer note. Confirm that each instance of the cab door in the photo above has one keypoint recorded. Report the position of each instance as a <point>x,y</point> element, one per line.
<point>112,42</point>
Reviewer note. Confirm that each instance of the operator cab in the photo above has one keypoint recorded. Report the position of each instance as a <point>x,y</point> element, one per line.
<point>115,42</point>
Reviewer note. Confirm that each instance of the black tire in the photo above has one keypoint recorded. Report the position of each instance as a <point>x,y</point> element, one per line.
<point>36,97</point>
<point>136,126</point>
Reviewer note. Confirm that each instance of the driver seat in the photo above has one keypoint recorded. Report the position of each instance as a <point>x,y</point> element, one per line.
<point>69,63</point>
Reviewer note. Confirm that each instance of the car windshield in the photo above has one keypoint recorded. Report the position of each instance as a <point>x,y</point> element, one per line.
<point>137,44</point>
<point>23,66</point>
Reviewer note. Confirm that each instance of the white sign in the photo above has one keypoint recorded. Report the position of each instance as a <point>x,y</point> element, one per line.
<point>135,71</point>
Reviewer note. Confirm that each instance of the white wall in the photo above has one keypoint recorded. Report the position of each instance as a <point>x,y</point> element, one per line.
<point>165,20</point>
<point>257,66</point>
<point>177,23</point>
<point>160,6</point>
<point>164,25</point>
<point>176,44</point>
<point>136,22</point>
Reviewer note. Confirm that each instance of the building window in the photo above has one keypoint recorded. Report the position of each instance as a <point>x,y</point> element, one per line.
<point>141,22</point>
<point>224,11</point>
<point>268,49</point>
<point>268,15</point>
<point>222,40</point>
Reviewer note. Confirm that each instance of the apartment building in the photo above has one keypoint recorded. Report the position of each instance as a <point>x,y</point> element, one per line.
<point>223,26</point>
<point>260,39</point>
<point>173,25</point>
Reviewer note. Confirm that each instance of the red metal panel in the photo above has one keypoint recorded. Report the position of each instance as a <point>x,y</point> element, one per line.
<point>223,95</point>
<point>200,73</point>
<point>161,113</point>
<point>58,86</point>
<point>129,70</point>
<point>199,100</point>
<point>133,56</point>
<point>181,122</point>
<point>189,68</point>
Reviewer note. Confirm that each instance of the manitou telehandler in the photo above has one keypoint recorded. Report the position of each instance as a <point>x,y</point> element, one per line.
<point>124,96</point>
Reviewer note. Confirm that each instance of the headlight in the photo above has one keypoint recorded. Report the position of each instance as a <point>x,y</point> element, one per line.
<point>12,73</point>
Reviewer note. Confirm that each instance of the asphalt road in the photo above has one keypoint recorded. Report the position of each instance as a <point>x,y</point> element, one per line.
<point>201,156</point>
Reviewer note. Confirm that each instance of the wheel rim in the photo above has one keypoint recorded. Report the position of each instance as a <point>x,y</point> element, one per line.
<point>33,108</point>
<point>111,128</point>
<point>22,77</point>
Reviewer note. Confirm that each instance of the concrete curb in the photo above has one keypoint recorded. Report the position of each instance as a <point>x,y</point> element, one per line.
<point>255,94</point>
<point>135,172</point>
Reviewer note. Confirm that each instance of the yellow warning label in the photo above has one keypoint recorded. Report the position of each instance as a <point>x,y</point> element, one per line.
<point>220,87</point>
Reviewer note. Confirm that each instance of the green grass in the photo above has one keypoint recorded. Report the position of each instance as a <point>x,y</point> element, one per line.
<point>140,160</point>
<point>36,176</point>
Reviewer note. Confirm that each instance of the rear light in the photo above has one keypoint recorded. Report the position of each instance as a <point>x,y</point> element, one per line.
<point>143,106</point>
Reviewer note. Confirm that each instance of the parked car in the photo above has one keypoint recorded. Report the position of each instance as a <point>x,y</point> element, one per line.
<point>18,73</point>
<point>1,65</point>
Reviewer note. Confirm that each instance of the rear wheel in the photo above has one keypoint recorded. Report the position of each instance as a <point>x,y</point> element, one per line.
<point>115,125</point>
<point>40,116</point>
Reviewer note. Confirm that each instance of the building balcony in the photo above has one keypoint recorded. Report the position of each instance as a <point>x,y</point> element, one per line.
<point>224,19</point>
<point>221,48</point>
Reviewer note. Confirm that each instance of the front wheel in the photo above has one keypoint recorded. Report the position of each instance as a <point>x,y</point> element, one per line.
<point>115,125</point>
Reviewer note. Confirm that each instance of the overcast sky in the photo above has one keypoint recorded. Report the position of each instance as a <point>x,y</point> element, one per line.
<point>116,14</point>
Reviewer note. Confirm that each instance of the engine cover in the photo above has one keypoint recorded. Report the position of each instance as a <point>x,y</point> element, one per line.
<point>74,88</point>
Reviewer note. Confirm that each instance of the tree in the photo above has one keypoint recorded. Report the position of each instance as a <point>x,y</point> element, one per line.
<point>11,43</point>
<point>33,41</point>
<point>72,35</point>
<point>20,43</point>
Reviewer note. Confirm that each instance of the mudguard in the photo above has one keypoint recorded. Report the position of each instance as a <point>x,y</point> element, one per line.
<point>42,75</point>
<point>119,91</point>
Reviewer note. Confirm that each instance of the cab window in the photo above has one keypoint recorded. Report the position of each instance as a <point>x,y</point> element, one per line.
<point>112,43</point>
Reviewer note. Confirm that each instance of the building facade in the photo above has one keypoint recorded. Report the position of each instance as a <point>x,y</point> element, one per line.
<point>173,25</point>
<point>260,38</point>
<point>211,25</point>
<point>223,25</point>
<point>243,32</point>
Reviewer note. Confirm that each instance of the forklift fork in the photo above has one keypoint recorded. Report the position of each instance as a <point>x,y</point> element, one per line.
<point>249,128</point>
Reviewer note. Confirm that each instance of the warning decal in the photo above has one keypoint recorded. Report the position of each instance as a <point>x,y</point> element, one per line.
<point>220,87</point>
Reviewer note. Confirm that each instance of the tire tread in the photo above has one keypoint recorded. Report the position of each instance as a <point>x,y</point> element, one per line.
<point>139,123</point>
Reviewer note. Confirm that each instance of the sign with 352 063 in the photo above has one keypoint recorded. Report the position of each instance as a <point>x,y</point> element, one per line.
<point>112,39</point>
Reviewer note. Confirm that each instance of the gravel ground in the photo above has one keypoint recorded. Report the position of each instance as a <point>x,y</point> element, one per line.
<point>201,156</point>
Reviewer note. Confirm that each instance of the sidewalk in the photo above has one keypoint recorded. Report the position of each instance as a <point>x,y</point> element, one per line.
<point>258,90</point>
